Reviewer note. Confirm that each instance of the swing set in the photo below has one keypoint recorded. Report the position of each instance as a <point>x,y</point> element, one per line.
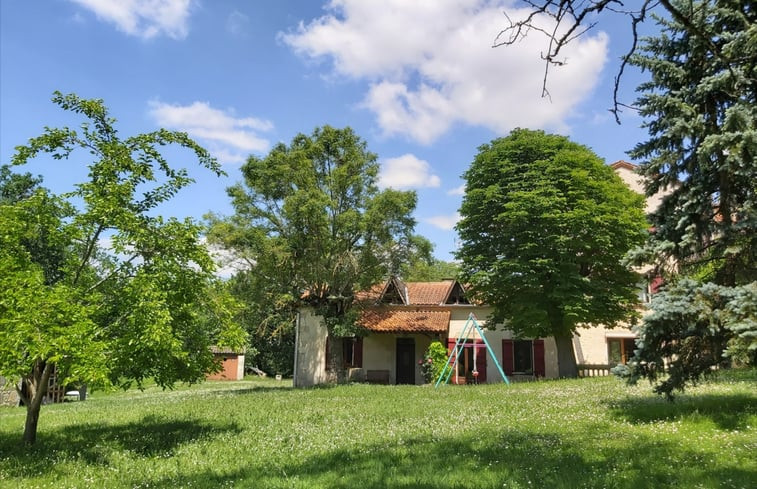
<point>471,326</point>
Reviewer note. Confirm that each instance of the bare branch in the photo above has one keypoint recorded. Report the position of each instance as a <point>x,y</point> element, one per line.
<point>571,17</point>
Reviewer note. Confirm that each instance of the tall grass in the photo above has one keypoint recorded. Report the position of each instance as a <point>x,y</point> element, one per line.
<point>260,434</point>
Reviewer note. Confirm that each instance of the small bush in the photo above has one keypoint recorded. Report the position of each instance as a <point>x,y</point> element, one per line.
<point>433,361</point>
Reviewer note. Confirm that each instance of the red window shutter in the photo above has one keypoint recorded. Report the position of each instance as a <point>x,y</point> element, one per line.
<point>507,356</point>
<point>451,351</point>
<point>481,363</point>
<point>539,369</point>
<point>358,352</point>
<point>655,284</point>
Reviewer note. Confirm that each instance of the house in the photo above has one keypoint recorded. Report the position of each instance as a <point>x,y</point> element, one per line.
<point>402,319</point>
<point>232,364</point>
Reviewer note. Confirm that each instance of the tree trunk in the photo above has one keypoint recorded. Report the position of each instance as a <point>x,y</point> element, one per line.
<point>36,389</point>
<point>32,417</point>
<point>335,362</point>
<point>566,357</point>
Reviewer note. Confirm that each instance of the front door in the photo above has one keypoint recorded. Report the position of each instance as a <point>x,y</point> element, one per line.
<point>405,361</point>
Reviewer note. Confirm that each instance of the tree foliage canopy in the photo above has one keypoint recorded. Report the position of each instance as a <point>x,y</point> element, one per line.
<point>312,223</point>
<point>700,106</point>
<point>142,308</point>
<point>544,227</point>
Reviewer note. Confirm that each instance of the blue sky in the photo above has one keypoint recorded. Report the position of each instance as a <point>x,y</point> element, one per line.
<point>419,81</point>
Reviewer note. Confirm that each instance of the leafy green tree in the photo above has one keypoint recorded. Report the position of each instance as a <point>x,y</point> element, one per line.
<point>433,271</point>
<point>421,266</point>
<point>141,309</point>
<point>544,227</point>
<point>700,107</point>
<point>313,225</point>
<point>269,322</point>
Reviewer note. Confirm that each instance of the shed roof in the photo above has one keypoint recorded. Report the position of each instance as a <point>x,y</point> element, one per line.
<point>225,351</point>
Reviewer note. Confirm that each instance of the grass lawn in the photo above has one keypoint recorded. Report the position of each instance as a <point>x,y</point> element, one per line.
<point>262,433</point>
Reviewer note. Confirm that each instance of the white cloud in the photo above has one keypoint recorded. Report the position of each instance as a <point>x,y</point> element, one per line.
<point>230,139</point>
<point>430,65</point>
<point>407,171</point>
<point>457,190</point>
<point>446,223</point>
<point>227,262</point>
<point>237,24</point>
<point>143,18</point>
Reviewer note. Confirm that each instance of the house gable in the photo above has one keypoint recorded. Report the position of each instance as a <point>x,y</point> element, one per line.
<point>412,307</point>
<point>395,292</point>
<point>456,295</point>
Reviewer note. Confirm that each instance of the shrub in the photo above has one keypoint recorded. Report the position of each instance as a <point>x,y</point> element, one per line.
<point>433,361</point>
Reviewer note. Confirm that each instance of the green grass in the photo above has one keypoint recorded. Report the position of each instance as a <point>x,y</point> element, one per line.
<point>260,434</point>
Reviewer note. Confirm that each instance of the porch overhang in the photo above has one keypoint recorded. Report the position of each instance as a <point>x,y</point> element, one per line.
<point>399,321</point>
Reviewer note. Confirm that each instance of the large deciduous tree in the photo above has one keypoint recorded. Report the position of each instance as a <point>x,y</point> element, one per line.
<point>137,310</point>
<point>544,227</point>
<point>314,227</point>
<point>700,107</point>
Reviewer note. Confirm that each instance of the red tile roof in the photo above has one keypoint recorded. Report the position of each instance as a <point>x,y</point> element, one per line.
<point>372,294</point>
<point>623,164</point>
<point>429,293</point>
<point>223,350</point>
<point>384,320</point>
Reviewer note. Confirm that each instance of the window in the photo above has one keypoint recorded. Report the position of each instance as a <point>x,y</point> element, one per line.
<point>465,362</point>
<point>523,362</point>
<point>645,297</point>
<point>523,357</point>
<point>620,350</point>
<point>352,352</point>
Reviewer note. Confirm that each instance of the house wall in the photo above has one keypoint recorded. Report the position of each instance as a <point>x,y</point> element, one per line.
<point>591,345</point>
<point>380,353</point>
<point>310,349</point>
<point>635,183</point>
<point>458,319</point>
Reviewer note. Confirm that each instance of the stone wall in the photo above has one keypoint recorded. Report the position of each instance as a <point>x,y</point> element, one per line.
<point>8,394</point>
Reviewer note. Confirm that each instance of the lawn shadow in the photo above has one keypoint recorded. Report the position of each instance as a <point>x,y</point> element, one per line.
<point>94,443</point>
<point>246,390</point>
<point>266,389</point>
<point>727,411</point>
<point>485,459</point>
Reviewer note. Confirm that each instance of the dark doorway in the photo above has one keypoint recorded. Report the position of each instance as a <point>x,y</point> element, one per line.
<point>405,361</point>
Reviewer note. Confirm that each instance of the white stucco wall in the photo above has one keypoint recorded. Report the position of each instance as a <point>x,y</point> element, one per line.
<point>591,345</point>
<point>380,353</point>
<point>310,349</point>
<point>240,367</point>
<point>634,182</point>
